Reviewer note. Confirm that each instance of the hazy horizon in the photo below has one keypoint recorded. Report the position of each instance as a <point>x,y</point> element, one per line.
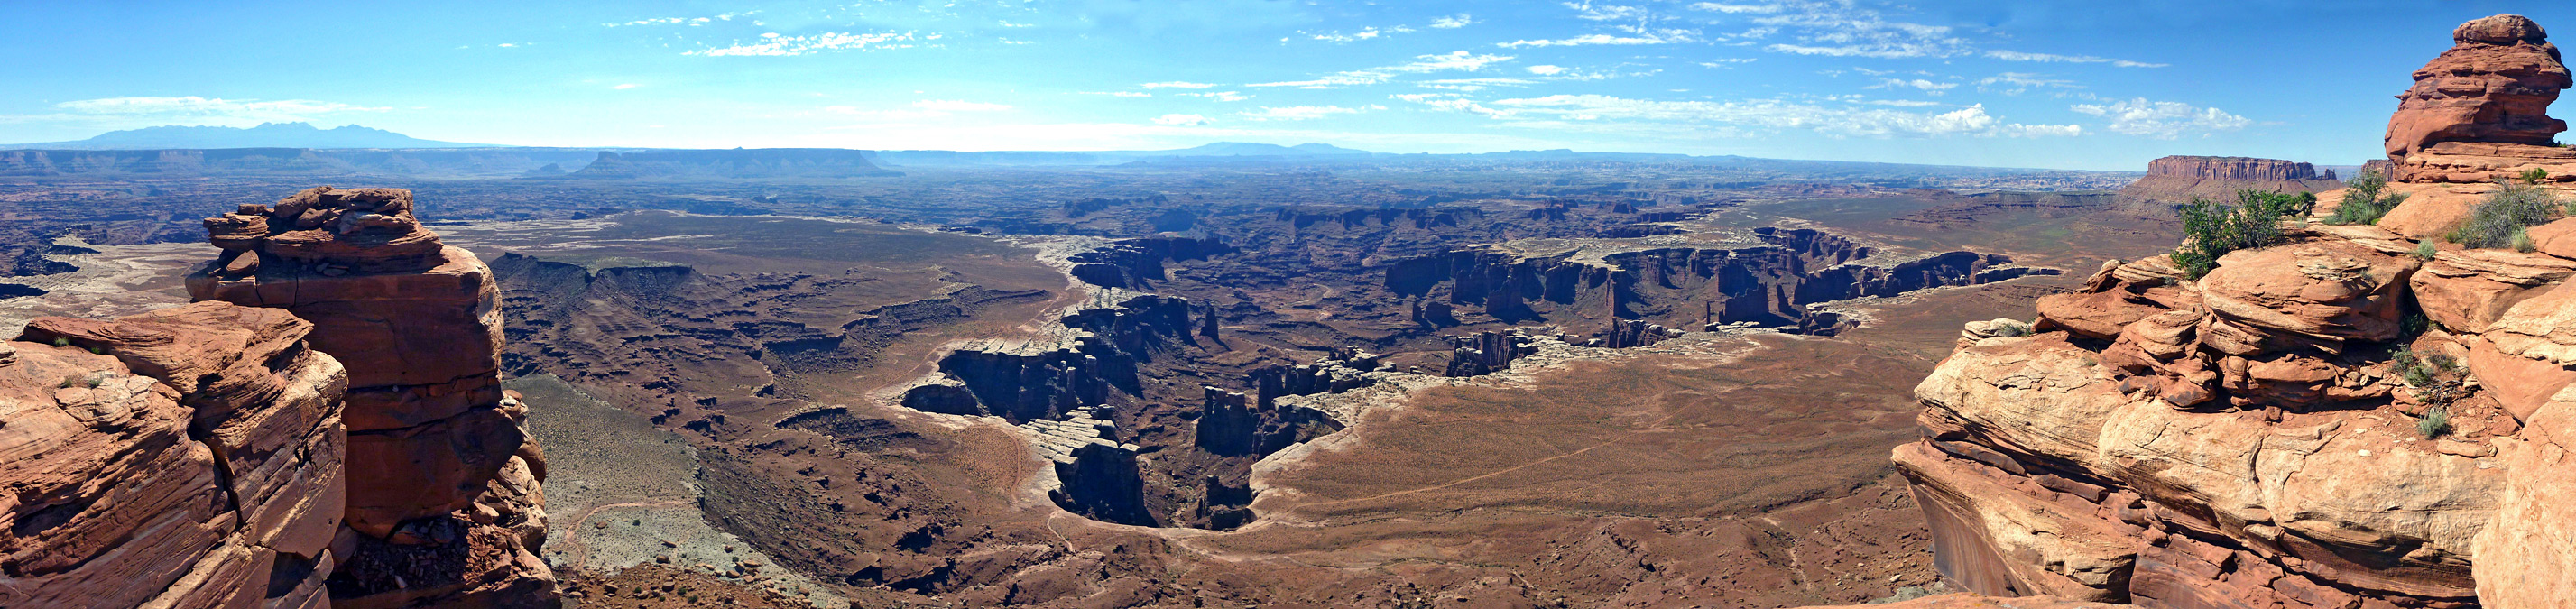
<point>1986,83</point>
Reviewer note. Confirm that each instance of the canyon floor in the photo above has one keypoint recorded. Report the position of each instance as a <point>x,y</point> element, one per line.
<point>722,396</point>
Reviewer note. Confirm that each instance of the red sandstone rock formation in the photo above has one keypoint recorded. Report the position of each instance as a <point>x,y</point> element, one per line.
<point>2252,438</point>
<point>186,457</point>
<point>443,499</point>
<point>2480,110</point>
<point>2179,179</point>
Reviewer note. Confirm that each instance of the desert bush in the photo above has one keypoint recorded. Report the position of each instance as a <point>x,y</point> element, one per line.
<point>62,341</point>
<point>2435,422</point>
<point>2504,213</point>
<point>2533,175</point>
<point>2425,250</point>
<point>2211,230</point>
<point>2011,328</point>
<point>2365,200</point>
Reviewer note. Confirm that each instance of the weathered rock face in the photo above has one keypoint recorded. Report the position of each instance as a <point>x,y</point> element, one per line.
<point>2179,179</point>
<point>2480,110</point>
<point>186,457</point>
<point>2263,436</point>
<point>443,501</point>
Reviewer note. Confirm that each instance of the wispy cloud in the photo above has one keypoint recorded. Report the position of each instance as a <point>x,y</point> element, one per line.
<point>2016,83</point>
<point>1117,93</point>
<point>1575,111</point>
<point>1365,33</point>
<point>1182,120</point>
<point>1457,61</point>
<point>2021,56</point>
<point>1176,85</point>
<point>1453,22</point>
<point>1935,88</point>
<point>2163,120</point>
<point>1223,96</point>
<point>774,44</point>
<point>1299,113</point>
<point>683,20</point>
<point>1601,39</point>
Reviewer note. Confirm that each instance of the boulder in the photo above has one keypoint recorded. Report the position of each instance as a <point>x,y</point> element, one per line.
<point>2328,290</point>
<point>2495,84</point>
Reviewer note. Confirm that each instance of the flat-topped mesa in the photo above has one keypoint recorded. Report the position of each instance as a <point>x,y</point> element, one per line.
<point>2236,168</point>
<point>2480,111</point>
<point>438,455</point>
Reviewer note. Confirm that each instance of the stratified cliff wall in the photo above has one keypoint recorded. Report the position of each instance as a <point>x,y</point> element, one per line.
<point>187,457</point>
<point>2338,420</point>
<point>2180,179</point>
<point>1680,287</point>
<point>443,503</point>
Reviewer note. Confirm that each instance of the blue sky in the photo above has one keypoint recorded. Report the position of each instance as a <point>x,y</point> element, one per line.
<point>2067,84</point>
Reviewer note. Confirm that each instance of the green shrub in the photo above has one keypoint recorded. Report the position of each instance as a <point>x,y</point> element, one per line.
<point>2365,200</point>
<point>62,341</point>
<point>2504,213</point>
<point>2011,328</point>
<point>2533,175</point>
<point>70,381</point>
<point>2211,230</point>
<point>2521,240</point>
<point>2284,204</point>
<point>2425,250</point>
<point>2435,422</point>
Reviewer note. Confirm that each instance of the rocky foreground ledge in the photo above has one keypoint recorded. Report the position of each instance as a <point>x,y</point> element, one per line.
<point>2356,416</point>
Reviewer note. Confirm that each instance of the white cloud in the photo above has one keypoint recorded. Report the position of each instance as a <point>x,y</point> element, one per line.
<point>1453,22</point>
<point>1475,84</point>
<point>2016,83</point>
<point>1588,11</point>
<point>776,45</point>
<point>683,20</point>
<point>950,105</point>
<point>1457,61</point>
<point>1182,120</point>
<point>626,86</point>
<point>1935,88</point>
<point>1737,8</point>
<point>1577,111</point>
<point>1725,62</point>
<point>1299,113</point>
<point>2163,120</point>
<point>1663,37</point>
<point>1364,34</point>
<point>203,110</point>
<point>1117,93</point>
<point>1546,70</point>
<point>1223,96</point>
<point>2021,56</point>
<point>1176,85</point>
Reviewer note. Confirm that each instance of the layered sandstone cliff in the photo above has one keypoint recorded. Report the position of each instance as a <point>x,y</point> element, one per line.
<point>186,457</point>
<point>443,504</point>
<point>2180,179</point>
<point>2336,420</point>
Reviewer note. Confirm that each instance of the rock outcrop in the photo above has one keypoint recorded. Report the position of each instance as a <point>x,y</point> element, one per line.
<point>185,457</point>
<point>2175,180</point>
<point>2479,112</point>
<point>443,500</point>
<point>2335,420</point>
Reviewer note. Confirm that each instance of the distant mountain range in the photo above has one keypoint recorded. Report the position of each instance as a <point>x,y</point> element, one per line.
<point>266,135</point>
<point>1249,149</point>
